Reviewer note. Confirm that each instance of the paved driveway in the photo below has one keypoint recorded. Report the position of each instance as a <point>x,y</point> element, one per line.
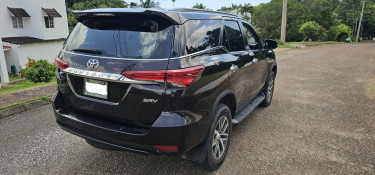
<point>321,121</point>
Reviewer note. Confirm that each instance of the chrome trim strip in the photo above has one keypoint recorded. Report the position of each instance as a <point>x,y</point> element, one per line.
<point>104,76</point>
<point>133,59</point>
<point>87,98</point>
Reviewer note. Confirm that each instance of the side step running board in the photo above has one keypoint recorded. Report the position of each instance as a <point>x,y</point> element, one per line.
<point>249,108</point>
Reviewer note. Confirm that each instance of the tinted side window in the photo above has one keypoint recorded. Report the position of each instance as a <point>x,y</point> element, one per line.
<point>201,35</point>
<point>250,37</point>
<point>235,37</point>
<point>225,40</point>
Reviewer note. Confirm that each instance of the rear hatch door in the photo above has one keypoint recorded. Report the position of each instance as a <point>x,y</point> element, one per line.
<point>101,48</point>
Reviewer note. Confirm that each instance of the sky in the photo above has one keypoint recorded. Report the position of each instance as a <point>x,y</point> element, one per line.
<point>211,4</point>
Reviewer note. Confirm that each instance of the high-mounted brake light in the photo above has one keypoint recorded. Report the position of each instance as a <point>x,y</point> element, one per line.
<point>183,77</point>
<point>61,64</point>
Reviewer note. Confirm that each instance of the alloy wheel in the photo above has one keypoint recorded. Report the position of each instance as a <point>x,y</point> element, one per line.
<point>270,88</point>
<point>220,137</point>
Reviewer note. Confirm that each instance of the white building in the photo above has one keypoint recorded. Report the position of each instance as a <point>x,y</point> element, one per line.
<point>35,29</point>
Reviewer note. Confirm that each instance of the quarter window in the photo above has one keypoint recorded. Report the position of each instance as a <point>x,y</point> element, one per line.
<point>235,38</point>
<point>17,22</point>
<point>202,35</point>
<point>49,22</point>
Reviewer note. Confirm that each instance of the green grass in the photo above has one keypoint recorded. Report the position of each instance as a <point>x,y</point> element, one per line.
<point>309,44</point>
<point>44,98</point>
<point>316,43</point>
<point>23,85</point>
<point>287,46</point>
<point>13,77</point>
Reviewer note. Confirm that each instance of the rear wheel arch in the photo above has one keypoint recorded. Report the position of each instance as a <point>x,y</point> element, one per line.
<point>227,97</point>
<point>230,101</point>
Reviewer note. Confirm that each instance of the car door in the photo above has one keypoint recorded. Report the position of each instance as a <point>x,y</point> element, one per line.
<point>256,52</point>
<point>240,60</point>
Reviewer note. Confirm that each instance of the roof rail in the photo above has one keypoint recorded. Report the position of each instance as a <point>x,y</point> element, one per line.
<point>201,10</point>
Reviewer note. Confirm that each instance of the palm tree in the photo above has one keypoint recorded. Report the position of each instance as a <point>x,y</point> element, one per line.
<point>149,4</point>
<point>173,2</point>
<point>244,9</point>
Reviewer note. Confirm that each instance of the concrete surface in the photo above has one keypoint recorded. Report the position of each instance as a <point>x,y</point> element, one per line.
<point>26,94</point>
<point>321,121</point>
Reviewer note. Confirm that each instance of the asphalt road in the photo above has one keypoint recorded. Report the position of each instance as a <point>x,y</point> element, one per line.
<point>321,121</point>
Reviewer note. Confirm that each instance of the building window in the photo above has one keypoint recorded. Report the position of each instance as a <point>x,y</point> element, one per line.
<point>17,22</point>
<point>49,22</point>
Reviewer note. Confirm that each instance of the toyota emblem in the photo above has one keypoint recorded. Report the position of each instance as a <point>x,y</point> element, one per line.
<point>93,63</point>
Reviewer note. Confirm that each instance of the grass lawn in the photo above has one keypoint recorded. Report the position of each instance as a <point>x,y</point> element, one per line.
<point>13,77</point>
<point>309,44</point>
<point>45,98</point>
<point>316,43</point>
<point>287,46</point>
<point>23,85</point>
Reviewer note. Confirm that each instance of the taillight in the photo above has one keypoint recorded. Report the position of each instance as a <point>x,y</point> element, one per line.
<point>184,77</point>
<point>61,64</point>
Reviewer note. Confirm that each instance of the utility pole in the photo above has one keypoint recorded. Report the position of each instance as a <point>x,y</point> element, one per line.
<point>360,21</point>
<point>283,21</point>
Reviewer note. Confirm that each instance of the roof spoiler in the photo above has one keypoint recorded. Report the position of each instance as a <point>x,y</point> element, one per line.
<point>171,16</point>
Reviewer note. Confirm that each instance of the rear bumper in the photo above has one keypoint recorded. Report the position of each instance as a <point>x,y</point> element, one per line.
<point>171,129</point>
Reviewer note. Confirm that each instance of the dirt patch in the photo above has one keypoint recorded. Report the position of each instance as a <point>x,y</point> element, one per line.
<point>368,85</point>
<point>370,88</point>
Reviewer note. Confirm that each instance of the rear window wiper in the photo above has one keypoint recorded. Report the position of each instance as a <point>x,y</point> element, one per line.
<point>94,51</point>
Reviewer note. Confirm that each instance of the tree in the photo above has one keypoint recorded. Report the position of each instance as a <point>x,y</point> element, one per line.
<point>310,29</point>
<point>322,12</point>
<point>173,1</point>
<point>267,17</point>
<point>368,31</point>
<point>344,32</point>
<point>200,6</point>
<point>89,4</point>
<point>149,4</point>
<point>339,33</point>
<point>233,7</point>
<point>244,9</point>
<point>328,13</point>
<point>348,12</point>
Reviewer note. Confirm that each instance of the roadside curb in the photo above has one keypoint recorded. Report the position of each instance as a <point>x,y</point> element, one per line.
<point>22,107</point>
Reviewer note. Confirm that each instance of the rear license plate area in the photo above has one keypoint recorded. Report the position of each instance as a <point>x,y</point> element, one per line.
<point>95,88</point>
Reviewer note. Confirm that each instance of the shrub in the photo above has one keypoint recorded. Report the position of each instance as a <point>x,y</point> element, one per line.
<point>310,29</point>
<point>38,71</point>
<point>345,32</point>
<point>333,33</point>
<point>339,33</point>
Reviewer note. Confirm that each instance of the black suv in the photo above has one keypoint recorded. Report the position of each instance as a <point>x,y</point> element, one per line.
<point>156,81</point>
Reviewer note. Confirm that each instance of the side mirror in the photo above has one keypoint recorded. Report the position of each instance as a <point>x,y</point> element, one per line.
<point>270,44</point>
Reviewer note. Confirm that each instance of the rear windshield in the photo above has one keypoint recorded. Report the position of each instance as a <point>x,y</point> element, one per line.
<point>123,38</point>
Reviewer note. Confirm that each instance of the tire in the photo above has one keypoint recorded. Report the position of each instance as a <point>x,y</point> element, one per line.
<point>102,146</point>
<point>268,90</point>
<point>218,138</point>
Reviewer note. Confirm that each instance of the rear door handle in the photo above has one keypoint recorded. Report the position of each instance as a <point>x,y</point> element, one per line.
<point>233,68</point>
<point>255,60</point>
